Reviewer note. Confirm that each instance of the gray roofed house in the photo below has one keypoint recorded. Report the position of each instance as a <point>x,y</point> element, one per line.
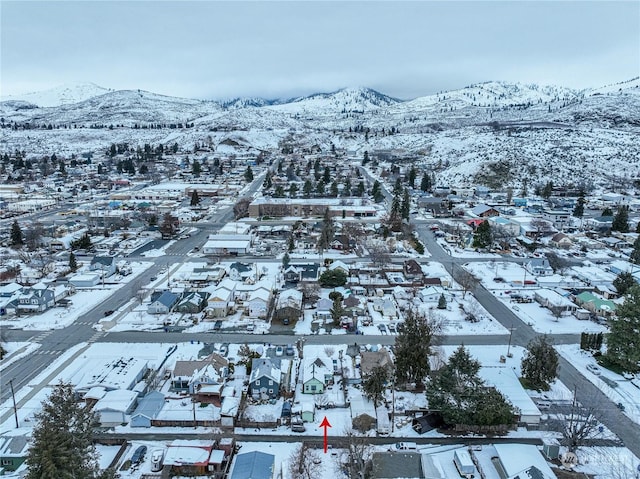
<point>192,302</point>
<point>539,267</point>
<point>148,409</point>
<point>254,465</point>
<point>163,303</point>
<point>395,465</point>
<point>13,451</point>
<point>105,264</point>
<point>265,379</point>
<point>484,211</point>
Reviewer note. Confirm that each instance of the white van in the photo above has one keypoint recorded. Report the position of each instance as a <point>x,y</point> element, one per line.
<point>404,446</point>
<point>156,460</point>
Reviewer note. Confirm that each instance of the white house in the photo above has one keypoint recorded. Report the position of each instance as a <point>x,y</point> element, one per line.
<point>539,267</point>
<point>258,303</point>
<point>114,406</point>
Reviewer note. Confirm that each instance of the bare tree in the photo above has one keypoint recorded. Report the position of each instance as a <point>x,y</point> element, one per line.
<point>581,424</point>
<point>39,260</point>
<point>33,236</point>
<point>379,254</point>
<point>310,293</point>
<point>304,463</point>
<point>465,279</point>
<point>241,208</point>
<point>358,456</point>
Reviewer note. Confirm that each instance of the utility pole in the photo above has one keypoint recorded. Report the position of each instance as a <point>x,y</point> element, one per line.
<point>15,409</point>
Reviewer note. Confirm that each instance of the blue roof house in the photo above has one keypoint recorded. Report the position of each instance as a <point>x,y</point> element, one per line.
<point>148,409</point>
<point>254,465</point>
<point>163,303</point>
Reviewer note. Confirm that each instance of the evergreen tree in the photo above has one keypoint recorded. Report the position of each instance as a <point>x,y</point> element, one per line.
<point>405,207</point>
<point>360,190</point>
<point>16,235</point>
<point>412,177</point>
<point>578,211</point>
<point>457,391</point>
<point>332,278</point>
<point>73,263</point>
<point>326,177</point>
<point>623,340</point>
<point>320,188</point>
<point>293,190</point>
<point>248,174</point>
<point>635,253</point>
<point>425,183</point>
<point>547,190</point>
<point>279,192</point>
<point>397,187</point>
<point>540,363</point>
<point>376,192</point>
<point>375,383</point>
<point>413,347</point>
<point>195,199</point>
<point>346,187</point>
<point>621,220</point>
<point>334,189</point>
<point>623,282</point>
<point>365,159</point>
<point>286,260</point>
<point>268,182</point>
<point>61,442</point>
<point>442,302</point>
<point>196,169</point>
<point>607,212</point>
<point>307,189</point>
<point>291,244</point>
<point>327,232</point>
<point>482,237</point>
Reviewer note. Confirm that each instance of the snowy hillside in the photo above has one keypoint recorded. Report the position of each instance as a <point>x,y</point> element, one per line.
<point>347,100</point>
<point>494,133</point>
<point>61,95</point>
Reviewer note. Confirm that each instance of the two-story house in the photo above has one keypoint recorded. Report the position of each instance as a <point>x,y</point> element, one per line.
<point>264,381</point>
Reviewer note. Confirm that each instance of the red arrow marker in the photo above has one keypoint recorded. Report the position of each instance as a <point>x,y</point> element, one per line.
<point>325,424</point>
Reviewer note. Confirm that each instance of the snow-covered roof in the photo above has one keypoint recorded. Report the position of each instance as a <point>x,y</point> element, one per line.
<point>188,452</point>
<point>504,379</point>
<point>253,465</point>
<point>118,400</point>
<point>516,458</point>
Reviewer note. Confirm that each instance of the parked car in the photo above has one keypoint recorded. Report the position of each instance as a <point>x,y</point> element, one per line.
<point>289,350</point>
<point>404,446</point>
<point>251,327</point>
<point>109,312</point>
<point>138,455</point>
<point>279,351</point>
<point>594,369</point>
<point>620,406</point>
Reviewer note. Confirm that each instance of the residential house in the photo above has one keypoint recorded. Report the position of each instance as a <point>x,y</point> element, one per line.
<point>354,305</point>
<point>596,305</point>
<point>339,265</point>
<point>163,302</point>
<point>484,211</point>
<point>413,271</point>
<point>539,267</point>
<point>240,271</point>
<point>192,457</point>
<point>554,301</point>
<point>35,299</point>
<point>220,298</point>
<point>264,381</point>
<point>431,294</point>
<point>148,409</point>
<point>258,303</point>
<point>600,223</point>
<point>522,461</point>
<point>372,359</point>
<point>13,452</point>
<point>114,407</point>
<point>254,465</point>
<point>342,243</point>
<point>561,240</point>
<point>105,264</point>
<point>203,378</point>
<point>396,465</point>
<point>316,375</point>
<point>363,413</point>
<point>191,302</point>
<point>289,305</point>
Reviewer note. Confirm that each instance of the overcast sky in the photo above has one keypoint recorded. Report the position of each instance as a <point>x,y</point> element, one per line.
<point>218,50</point>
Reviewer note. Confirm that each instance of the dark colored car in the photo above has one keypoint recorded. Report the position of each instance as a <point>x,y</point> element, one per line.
<point>108,312</point>
<point>138,455</point>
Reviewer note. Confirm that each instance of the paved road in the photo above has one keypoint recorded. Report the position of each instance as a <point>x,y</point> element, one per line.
<point>586,392</point>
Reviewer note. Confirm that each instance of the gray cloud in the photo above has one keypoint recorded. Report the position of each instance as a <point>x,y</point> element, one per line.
<point>280,49</point>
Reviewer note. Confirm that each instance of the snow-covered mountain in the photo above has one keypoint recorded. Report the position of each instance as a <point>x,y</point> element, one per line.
<point>61,95</point>
<point>476,133</point>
